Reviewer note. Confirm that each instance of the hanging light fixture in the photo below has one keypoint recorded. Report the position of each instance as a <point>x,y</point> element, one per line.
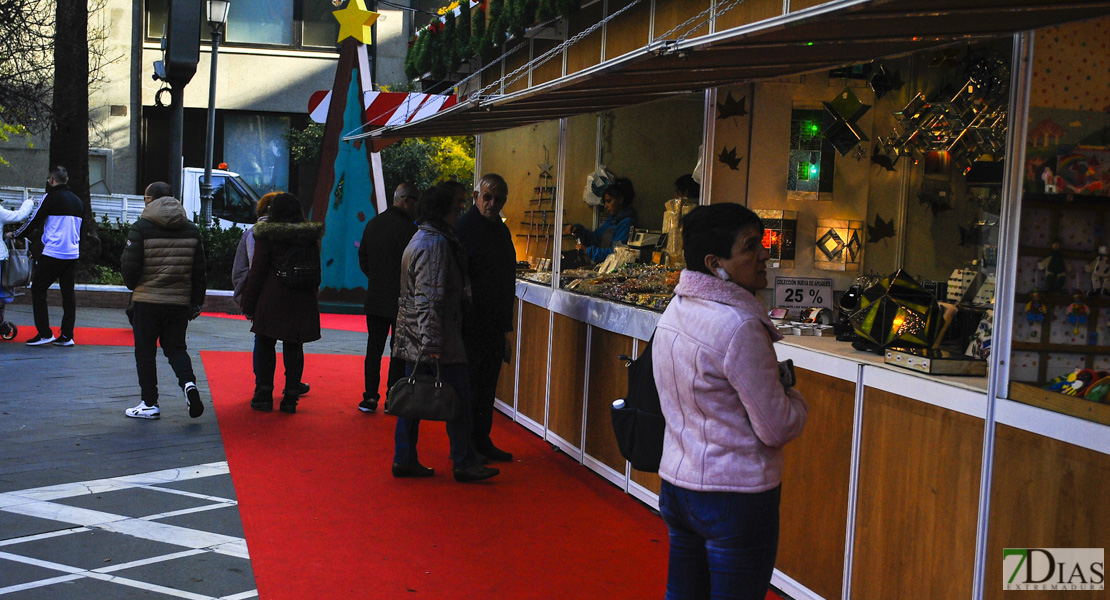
<point>780,232</point>
<point>839,245</point>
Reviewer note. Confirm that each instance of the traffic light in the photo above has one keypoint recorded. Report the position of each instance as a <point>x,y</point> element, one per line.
<point>182,45</point>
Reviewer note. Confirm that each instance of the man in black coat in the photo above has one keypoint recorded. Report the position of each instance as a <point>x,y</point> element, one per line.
<point>491,263</point>
<point>379,257</point>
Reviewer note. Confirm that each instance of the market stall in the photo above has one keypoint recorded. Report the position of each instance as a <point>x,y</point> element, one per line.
<point>908,171</point>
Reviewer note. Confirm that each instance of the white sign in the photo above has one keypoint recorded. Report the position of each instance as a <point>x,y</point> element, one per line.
<point>803,292</point>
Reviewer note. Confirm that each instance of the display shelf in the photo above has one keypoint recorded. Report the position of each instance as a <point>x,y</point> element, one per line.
<point>1069,405</point>
<point>1095,209</point>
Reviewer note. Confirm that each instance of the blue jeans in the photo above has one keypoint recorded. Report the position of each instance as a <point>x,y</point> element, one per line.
<point>723,544</point>
<point>458,431</point>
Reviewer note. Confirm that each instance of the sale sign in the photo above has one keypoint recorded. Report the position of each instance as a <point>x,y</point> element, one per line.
<point>803,292</point>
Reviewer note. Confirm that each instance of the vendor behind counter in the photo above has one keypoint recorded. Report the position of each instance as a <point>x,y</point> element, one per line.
<point>617,200</point>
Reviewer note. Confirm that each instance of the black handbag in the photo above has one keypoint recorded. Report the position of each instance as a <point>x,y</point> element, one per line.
<point>422,396</point>
<point>637,418</point>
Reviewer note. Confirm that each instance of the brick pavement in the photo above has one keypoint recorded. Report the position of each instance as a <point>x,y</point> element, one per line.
<point>93,503</point>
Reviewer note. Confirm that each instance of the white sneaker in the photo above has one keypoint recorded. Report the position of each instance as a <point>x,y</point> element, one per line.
<point>142,411</point>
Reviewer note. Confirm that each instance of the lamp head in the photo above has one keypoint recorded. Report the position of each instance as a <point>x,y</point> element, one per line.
<point>217,12</point>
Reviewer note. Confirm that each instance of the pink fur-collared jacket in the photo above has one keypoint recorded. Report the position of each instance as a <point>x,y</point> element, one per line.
<point>728,416</point>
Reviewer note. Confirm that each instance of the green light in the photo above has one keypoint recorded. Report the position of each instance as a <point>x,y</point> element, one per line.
<point>810,44</point>
<point>813,171</point>
<point>812,128</point>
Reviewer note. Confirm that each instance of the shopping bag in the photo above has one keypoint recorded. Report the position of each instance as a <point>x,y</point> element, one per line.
<point>16,271</point>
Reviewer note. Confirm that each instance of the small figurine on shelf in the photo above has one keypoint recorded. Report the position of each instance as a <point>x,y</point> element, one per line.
<point>1099,268</point>
<point>1055,269</point>
<point>1049,180</point>
<point>1034,312</point>
<point>1078,311</point>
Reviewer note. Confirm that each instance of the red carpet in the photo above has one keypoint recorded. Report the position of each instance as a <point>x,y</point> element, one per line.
<point>327,320</point>
<point>325,519</point>
<point>82,336</point>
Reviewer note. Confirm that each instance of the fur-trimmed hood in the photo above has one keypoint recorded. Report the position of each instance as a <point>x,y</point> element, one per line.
<point>695,284</point>
<point>308,231</point>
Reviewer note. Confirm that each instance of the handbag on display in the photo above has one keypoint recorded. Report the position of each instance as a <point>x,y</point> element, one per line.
<point>17,268</point>
<point>422,396</point>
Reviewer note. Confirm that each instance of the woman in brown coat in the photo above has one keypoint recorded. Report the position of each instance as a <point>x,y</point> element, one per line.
<point>281,308</point>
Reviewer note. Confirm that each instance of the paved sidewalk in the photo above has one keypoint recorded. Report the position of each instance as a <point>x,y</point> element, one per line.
<point>94,504</point>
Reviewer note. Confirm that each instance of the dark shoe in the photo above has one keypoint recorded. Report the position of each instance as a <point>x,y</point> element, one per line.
<point>413,470</point>
<point>40,340</point>
<point>263,399</point>
<point>288,402</point>
<point>496,454</point>
<point>481,458</point>
<point>192,398</point>
<point>303,388</point>
<point>368,405</point>
<point>475,473</point>
<point>64,340</point>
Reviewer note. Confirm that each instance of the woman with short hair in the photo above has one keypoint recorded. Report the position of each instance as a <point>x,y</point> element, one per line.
<point>435,293</point>
<point>728,415</point>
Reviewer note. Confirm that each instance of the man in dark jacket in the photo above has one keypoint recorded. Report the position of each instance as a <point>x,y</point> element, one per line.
<point>59,215</point>
<point>379,256</point>
<point>491,263</point>
<point>163,263</point>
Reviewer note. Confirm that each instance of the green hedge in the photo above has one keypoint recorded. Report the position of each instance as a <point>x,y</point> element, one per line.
<point>441,47</point>
<point>219,251</point>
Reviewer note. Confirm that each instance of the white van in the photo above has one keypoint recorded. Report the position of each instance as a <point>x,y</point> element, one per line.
<point>234,201</point>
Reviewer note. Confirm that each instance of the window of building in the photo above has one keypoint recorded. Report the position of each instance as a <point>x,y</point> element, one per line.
<point>255,149</point>
<point>283,23</point>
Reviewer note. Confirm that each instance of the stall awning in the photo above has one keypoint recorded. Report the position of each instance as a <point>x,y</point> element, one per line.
<point>828,36</point>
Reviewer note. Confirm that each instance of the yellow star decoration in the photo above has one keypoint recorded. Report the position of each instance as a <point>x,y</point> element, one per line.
<point>355,21</point>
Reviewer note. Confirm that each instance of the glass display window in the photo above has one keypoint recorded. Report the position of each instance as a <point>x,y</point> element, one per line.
<point>1060,346</point>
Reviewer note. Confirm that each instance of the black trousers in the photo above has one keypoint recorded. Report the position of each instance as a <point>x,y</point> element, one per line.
<point>377,331</point>
<point>485,351</point>
<point>165,325</point>
<point>48,270</point>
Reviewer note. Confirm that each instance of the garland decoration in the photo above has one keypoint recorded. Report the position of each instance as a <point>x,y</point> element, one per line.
<point>480,30</point>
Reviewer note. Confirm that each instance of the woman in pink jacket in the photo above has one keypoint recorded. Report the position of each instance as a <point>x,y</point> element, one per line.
<point>728,415</point>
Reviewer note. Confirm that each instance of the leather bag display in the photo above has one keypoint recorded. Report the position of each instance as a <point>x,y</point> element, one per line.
<point>422,396</point>
<point>16,271</point>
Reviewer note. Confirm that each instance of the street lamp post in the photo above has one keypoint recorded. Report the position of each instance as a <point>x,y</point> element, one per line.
<point>217,17</point>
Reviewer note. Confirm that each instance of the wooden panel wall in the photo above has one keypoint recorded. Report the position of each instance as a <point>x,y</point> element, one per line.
<point>918,501</point>
<point>506,383</point>
<point>532,385</point>
<point>608,381</point>
<point>513,62</point>
<point>650,481</point>
<point>671,13</point>
<point>629,31</point>
<point>553,68</point>
<point>749,12</point>
<point>587,51</point>
<point>1045,494</point>
<point>814,511</point>
<point>568,378</point>
<point>796,5</point>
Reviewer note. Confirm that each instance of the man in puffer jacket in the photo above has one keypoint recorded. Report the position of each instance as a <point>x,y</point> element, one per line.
<point>163,262</point>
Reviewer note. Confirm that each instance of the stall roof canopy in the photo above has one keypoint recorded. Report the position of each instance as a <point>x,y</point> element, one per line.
<point>827,36</point>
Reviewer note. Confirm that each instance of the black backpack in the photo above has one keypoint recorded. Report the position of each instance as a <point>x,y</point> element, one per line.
<point>639,422</point>
<point>301,268</point>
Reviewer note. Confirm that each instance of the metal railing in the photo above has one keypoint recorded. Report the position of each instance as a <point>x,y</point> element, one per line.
<point>125,207</point>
